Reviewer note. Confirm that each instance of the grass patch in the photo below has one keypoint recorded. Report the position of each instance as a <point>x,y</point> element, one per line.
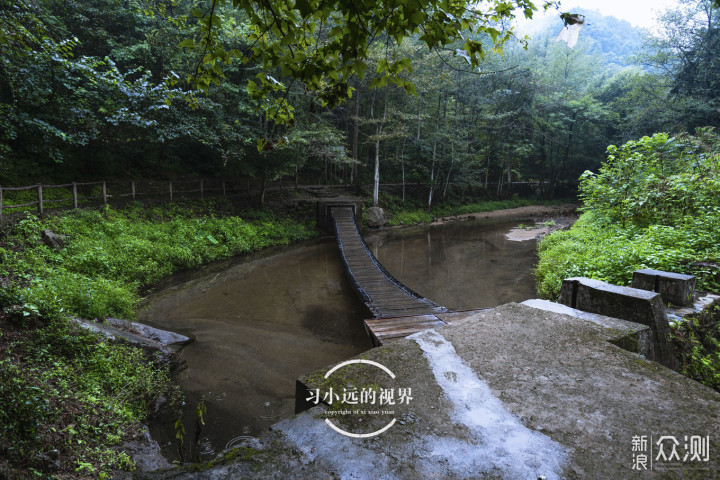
<point>410,217</point>
<point>69,398</point>
<point>111,255</point>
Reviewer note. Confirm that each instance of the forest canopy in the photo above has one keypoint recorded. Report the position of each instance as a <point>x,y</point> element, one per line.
<point>318,91</point>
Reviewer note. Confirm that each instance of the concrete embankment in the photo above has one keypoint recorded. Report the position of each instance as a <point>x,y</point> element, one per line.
<point>514,392</point>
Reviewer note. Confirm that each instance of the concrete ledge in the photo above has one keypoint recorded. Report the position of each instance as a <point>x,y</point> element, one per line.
<point>703,301</point>
<point>675,288</point>
<point>324,205</point>
<point>632,337</point>
<point>626,303</point>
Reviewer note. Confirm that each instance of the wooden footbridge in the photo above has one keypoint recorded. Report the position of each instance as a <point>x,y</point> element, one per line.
<point>398,310</point>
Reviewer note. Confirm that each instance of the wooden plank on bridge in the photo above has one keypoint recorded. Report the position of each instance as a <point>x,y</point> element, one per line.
<point>387,330</point>
<point>381,293</point>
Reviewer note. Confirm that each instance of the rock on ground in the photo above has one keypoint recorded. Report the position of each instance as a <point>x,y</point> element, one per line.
<point>376,217</point>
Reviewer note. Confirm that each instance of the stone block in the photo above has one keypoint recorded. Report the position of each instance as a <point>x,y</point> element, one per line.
<point>52,239</point>
<point>626,303</point>
<point>675,288</point>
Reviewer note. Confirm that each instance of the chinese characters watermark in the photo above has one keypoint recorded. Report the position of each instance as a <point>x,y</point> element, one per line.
<point>363,401</point>
<point>668,451</point>
<point>365,396</point>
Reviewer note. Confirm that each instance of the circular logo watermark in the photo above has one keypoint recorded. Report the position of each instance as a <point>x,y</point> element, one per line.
<point>360,402</point>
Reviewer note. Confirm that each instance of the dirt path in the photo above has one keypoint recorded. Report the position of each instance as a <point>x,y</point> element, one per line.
<point>539,211</point>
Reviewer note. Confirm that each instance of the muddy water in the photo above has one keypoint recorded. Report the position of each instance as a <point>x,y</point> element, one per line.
<point>460,266</point>
<point>263,322</point>
<point>258,326</point>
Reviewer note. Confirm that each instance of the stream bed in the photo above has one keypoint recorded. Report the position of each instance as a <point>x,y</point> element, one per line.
<point>262,321</point>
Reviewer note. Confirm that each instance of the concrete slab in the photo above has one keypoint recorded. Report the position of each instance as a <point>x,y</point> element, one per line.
<point>675,288</point>
<point>632,337</point>
<point>631,304</point>
<point>516,392</point>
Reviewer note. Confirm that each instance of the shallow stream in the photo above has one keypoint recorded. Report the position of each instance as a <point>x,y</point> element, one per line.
<point>262,321</point>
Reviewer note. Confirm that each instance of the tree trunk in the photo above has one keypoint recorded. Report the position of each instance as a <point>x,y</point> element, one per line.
<point>487,174</point>
<point>263,186</point>
<point>402,166</point>
<point>418,119</point>
<point>432,177</point>
<point>297,175</point>
<point>378,132</point>
<point>432,168</point>
<point>452,159</point>
<point>569,143</point>
<point>356,135</point>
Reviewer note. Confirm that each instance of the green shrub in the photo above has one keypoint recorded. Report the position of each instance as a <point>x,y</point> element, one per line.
<point>656,180</point>
<point>412,217</point>
<point>655,203</point>
<point>696,342</point>
<point>67,398</point>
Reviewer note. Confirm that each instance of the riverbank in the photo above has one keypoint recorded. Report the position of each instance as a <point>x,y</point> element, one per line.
<point>107,260</point>
<point>412,214</point>
<point>70,398</point>
<point>541,212</point>
<point>543,219</point>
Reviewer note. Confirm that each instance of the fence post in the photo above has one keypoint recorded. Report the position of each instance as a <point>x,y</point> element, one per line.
<point>224,188</point>
<point>1,204</point>
<point>170,183</point>
<point>105,193</point>
<point>40,199</point>
<point>75,200</point>
<point>132,188</point>
<point>202,194</point>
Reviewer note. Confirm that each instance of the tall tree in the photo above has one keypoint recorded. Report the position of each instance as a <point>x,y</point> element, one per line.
<point>687,50</point>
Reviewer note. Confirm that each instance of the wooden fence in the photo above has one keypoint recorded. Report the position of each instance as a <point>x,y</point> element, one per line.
<point>104,192</point>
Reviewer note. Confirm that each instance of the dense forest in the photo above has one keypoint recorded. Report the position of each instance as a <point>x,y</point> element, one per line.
<point>128,89</point>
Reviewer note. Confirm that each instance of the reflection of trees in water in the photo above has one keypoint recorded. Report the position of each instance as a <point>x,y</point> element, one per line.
<point>461,266</point>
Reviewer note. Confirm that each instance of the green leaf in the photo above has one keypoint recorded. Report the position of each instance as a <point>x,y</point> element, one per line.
<point>188,43</point>
<point>303,6</point>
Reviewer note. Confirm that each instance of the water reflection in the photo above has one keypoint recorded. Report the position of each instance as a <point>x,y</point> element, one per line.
<point>460,266</point>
